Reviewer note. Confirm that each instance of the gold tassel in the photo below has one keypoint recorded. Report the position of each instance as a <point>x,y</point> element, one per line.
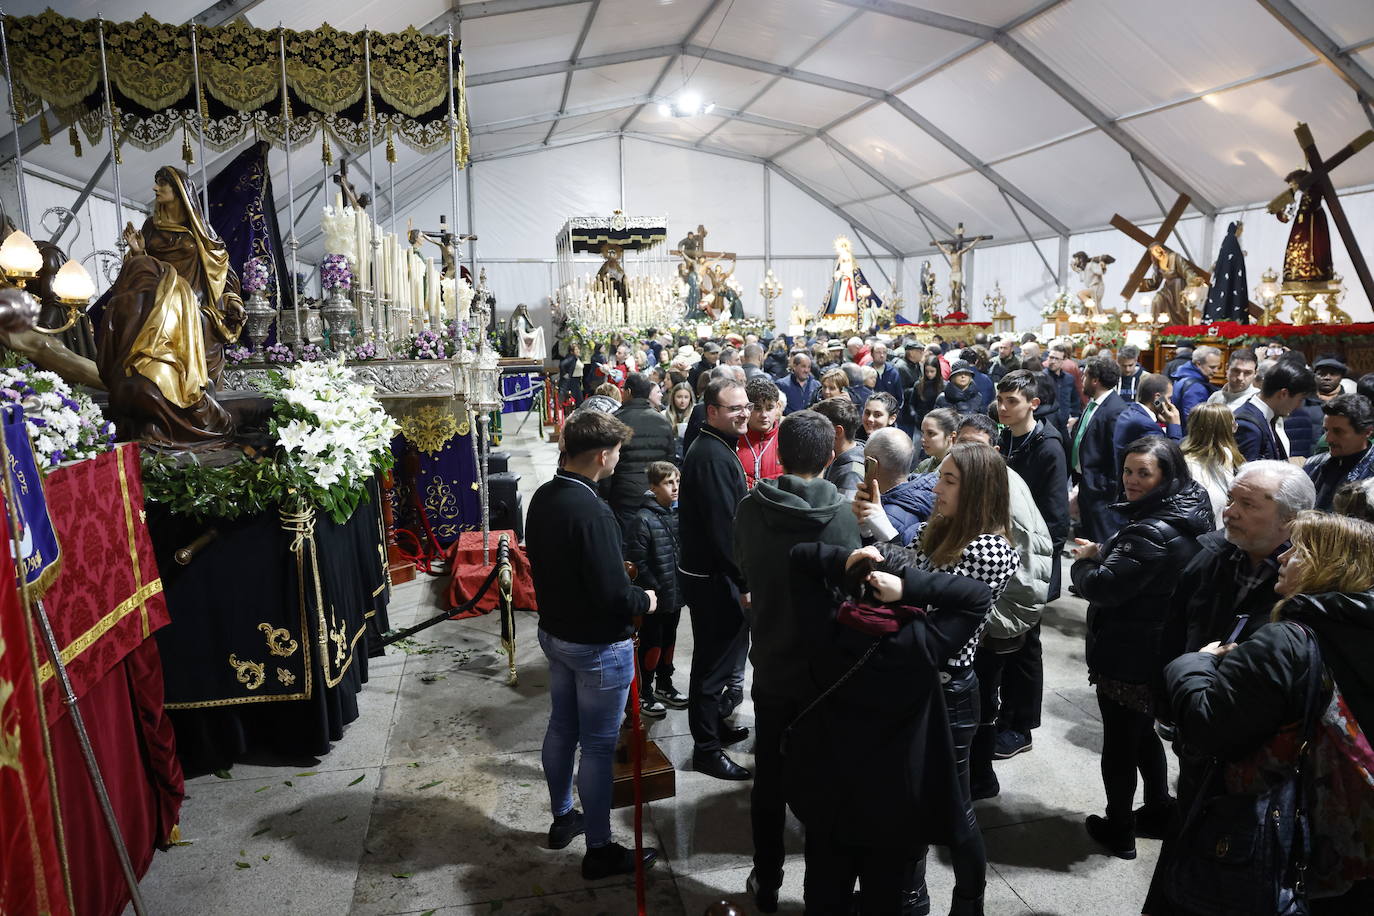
<point>390,145</point>
<point>20,113</point>
<point>75,139</point>
<point>327,155</point>
<point>187,155</point>
<point>43,130</point>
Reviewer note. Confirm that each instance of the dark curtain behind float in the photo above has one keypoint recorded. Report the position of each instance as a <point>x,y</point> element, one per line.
<point>244,213</point>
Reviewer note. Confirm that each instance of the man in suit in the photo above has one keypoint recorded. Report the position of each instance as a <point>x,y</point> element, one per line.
<point>1092,454</point>
<point>1260,420</point>
<point>1154,414</point>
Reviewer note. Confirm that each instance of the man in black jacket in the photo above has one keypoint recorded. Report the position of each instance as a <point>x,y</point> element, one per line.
<point>713,586</point>
<point>587,607</point>
<point>799,507</point>
<point>1348,420</point>
<point>1227,591</point>
<point>1034,450</point>
<point>654,440</point>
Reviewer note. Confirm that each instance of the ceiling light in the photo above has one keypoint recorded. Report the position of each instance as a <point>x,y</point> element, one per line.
<point>688,104</point>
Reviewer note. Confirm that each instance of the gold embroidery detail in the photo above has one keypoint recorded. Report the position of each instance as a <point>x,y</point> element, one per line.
<point>250,674</point>
<point>286,677</point>
<point>9,741</point>
<point>102,626</point>
<point>429,429</point>
<point>279,641</point>
<point>339,637</point>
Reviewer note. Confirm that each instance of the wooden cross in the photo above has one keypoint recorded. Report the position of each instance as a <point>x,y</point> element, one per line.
<point>703,255</point>
<point>1125,226</point>
<point>1319,176</point>
<point>959,245</point>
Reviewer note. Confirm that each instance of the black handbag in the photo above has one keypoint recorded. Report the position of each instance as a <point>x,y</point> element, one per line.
<point>1243,855</point>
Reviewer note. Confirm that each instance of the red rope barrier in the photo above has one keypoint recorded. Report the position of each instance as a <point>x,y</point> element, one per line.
<point>637,756</point>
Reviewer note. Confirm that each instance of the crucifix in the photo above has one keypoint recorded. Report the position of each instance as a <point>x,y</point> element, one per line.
<point>954,250</point>
<point>351,197</point>
<point>1173,271</point>
<point>1307,258</point>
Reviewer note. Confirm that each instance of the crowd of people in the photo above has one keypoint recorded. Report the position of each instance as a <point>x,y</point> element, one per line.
<point>876,526</point>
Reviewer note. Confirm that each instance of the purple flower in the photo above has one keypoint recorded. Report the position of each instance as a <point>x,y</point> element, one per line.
<point>335,273</point>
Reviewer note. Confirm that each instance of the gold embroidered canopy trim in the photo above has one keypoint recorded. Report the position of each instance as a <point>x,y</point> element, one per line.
<point>56,62</point>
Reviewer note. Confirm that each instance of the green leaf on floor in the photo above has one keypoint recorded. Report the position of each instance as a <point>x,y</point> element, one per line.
<point>262,831</point>
<point>242,865</point>
<point>400,874</point>
<point>358,780</point>
<point>262,789</point>
<point>430,785</point>
<point>341,818</point>
<point>223,774</point>
<point>308,773</point>
<point>429,913</point>
<point>267,858</point>
<point>289,783</point>
<point>416,764</point>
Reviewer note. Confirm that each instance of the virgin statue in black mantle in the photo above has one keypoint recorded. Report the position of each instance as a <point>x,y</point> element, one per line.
<point>171,312</point>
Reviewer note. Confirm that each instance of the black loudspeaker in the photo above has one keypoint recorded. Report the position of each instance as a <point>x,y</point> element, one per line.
<point>498,463</point>
<point>503,501</point>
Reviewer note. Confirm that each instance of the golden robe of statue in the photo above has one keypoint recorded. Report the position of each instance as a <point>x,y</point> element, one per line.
<point>170,314</point>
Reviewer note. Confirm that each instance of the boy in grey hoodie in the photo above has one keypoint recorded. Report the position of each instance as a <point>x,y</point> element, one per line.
<point>799,507</point>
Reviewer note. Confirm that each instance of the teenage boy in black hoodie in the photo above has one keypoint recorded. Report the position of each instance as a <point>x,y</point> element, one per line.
<point>1033,449</point>
<point>799,507</point>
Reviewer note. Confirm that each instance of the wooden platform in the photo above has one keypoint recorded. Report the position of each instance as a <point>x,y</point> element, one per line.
<point>658,777</point>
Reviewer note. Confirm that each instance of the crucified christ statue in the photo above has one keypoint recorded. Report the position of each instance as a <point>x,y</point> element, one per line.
<point>954,250</point>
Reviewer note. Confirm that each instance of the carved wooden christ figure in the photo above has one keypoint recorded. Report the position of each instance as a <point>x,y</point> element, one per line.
<point>171,312</point>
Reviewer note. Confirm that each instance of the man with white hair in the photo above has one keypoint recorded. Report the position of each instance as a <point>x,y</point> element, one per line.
<point>1227,590</point>
<point>855,350</point>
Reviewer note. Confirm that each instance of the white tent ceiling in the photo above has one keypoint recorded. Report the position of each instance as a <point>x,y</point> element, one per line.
<point>904,117</point>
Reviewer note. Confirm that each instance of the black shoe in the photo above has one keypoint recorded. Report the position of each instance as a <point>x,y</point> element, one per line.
<point>1157,822</point>
<point>614,859</point>
<point>1119,840</point>
<point>720,766</point>
<point>733,734</point>
<point>988,788</point>
<point>965,906</point>
<point>730,700</point>
<point>668,695</point>
<point>1009,743</point>
<point>565,829</point>
<point>765,895</point>
<point>917,902</point>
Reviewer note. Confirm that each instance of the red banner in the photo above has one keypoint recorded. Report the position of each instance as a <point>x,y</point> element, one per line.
<point>32,860</point>
<point>108,598</point>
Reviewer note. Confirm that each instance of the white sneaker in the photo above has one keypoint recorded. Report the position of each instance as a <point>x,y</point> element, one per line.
<point>652,708</point>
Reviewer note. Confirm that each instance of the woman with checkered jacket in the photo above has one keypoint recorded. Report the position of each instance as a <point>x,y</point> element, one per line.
<point>966,536</point>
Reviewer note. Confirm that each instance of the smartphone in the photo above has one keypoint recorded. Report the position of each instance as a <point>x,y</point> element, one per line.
<point>1159,402</point>
<point>870,473</point>
<point>1241,621</point>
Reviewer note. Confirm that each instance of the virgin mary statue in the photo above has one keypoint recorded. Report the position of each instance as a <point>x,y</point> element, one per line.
<point>172,310</point>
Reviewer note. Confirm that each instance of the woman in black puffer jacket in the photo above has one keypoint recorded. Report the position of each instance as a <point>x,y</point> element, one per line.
<point>1127,583</point>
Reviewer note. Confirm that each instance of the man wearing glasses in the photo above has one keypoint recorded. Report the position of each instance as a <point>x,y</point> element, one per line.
<point>713,586</point>
<point>1066,401</point>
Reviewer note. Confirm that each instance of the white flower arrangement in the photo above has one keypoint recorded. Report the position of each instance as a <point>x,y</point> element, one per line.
<point>340,232</point>
<point>1062,302</point>
<point>333,433</point>
<point>63,425</point>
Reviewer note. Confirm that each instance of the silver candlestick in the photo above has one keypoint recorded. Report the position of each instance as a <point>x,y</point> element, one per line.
<point>260,317</point>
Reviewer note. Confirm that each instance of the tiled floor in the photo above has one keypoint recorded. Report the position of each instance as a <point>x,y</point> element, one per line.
<point>434,800</point>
